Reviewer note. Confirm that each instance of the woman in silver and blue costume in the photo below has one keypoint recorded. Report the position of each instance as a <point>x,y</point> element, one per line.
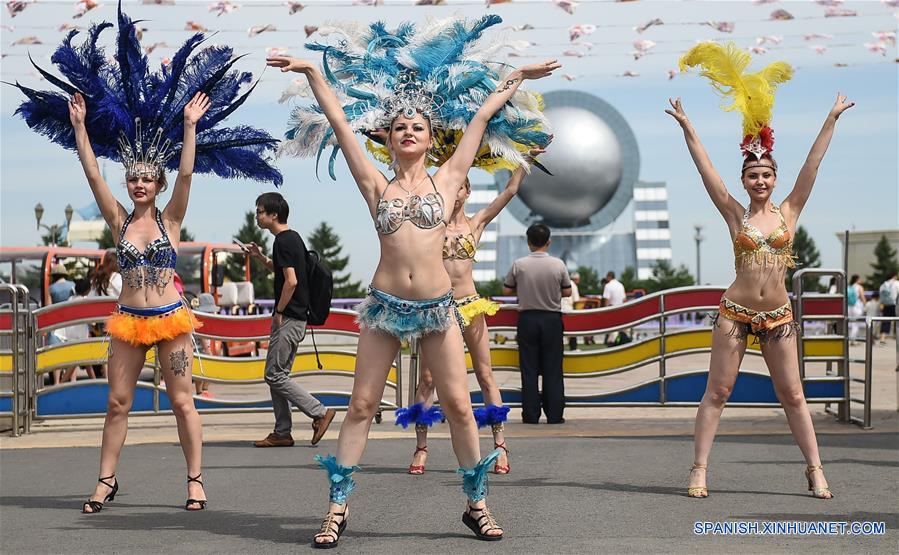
<point>410,294</point>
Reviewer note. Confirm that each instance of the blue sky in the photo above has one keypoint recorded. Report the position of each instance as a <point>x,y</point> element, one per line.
<point>856,187</point>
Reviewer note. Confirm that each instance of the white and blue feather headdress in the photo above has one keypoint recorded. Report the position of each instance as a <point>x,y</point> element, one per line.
<point>135,116</point>
<point>442,69</point>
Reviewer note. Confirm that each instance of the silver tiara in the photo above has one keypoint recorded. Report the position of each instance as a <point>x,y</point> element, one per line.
<point>410,97</point>
<point>139,162</point>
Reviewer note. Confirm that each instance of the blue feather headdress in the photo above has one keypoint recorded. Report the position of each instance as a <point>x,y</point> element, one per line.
<point>441,69</point>
<point>135,116</point>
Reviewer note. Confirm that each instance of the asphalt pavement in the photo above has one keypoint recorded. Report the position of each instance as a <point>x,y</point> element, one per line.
<point>564,495</point>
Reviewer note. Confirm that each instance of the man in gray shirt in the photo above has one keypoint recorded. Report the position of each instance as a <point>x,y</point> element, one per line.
<point>540,281</point>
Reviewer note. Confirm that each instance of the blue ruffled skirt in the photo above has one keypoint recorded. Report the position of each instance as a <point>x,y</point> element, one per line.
<point>406,319</point>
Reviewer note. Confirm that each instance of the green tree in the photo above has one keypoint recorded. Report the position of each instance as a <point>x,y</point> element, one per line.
<point>629,279</point>
<point>48,238</point>
<point>807,256</point>
<point>260,276</point>
<point>589,284</point>
<point>885,265</point>
<point>492,288</point>
<point>106,240</point>
<point>327,243</point>
<point>666,276</point>
<point>186,236</point>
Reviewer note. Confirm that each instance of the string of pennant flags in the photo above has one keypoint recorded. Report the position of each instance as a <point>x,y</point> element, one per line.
<point>880,43</point>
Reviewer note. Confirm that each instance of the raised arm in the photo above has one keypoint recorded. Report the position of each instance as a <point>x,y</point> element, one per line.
<point>456,168</point>
<point>721,198</point>
<point>364,172</point>
<point>113,212</point>
<point>177,207</point>
<point>797,198</point>
<point>487,214</point>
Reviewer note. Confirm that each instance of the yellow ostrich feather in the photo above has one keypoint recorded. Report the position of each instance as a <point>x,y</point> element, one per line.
<point>752,94</point>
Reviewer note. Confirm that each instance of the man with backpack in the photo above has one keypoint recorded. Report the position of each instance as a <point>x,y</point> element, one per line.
<point>290,263</point>
<point>889,291</point>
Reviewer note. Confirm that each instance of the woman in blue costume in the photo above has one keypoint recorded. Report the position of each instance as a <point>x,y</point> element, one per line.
<point>412,81</point>
<point>150,122</point>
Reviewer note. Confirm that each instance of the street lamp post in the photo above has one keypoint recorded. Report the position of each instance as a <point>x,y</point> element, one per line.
<point>53,228</point>
<point>698,237</point>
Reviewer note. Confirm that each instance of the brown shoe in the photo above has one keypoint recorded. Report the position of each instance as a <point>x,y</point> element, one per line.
<point>320,425</point>
<point>275,440</point>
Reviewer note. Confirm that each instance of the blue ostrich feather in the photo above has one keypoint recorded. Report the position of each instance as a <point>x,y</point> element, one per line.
<point>490,414</point>
<point>118,91</point>
<point>364,68</point>
<point>418,414</point>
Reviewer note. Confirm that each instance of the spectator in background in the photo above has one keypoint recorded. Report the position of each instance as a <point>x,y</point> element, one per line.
<point>106,281</point>
<point>568,305</point>
<point>613,294</point>
<point>540,281</point>
<point>205,303</point>
<point>855,301</point>
<point>872,307</point>
<point>61,288</point>
<point>78,332</point>
<point>889,294</point>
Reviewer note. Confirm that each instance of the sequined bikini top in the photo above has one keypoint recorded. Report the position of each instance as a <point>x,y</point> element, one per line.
<point>752,247</point>
<point>153,267</point>
<point>461,246</point>
<point>425,212</point>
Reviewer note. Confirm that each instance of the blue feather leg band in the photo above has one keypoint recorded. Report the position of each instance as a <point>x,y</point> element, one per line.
<point>418,414</point>
<point>474,480</point>
<point>490,414</point>
<point>339,479</point>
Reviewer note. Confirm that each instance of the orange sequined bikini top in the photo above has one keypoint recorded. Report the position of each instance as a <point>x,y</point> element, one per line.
<point>752,247</point>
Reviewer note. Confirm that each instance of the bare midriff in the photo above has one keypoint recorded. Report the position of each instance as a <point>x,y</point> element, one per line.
<point>759,287</point>
<point>411,264</point>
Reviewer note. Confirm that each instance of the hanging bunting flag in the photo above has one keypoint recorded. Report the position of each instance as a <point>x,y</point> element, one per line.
<point>222,7</point>
<point>84,6</point>
<point>781,15</point>
<point>257,29</point>
<point>648,24</point>
<point>577,31</point>
<point>567,5</point>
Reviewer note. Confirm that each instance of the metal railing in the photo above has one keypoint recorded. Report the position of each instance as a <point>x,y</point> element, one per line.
<point>16,355</point>
<point>654,315</point>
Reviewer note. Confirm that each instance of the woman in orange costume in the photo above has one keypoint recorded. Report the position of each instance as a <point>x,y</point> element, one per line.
<point>757,302</point>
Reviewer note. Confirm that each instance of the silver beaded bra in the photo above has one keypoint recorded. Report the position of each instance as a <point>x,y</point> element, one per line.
<point>425,212</point>
<point>155,266</point>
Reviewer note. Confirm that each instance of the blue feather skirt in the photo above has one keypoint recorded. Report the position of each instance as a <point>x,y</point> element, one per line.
<point>405,319</point>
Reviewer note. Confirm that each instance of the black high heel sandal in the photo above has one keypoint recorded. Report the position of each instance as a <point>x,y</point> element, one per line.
<point>97,506</point>
<point>327,529</point>
<point>200,502</point>
<point>482,524</point>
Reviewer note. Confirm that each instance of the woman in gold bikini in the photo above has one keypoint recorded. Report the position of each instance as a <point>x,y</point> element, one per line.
<point>757,302</point>
<point>460,245</point>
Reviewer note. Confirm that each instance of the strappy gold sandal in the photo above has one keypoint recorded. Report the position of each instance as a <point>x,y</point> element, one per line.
<point>698,492</point>
<point>482,524</point>
<point>820,493</point>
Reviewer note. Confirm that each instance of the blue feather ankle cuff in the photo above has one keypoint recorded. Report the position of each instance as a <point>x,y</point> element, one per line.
<point>474,480</point>
<point>341,484</point>
<point>490,414</point>
<point>418,414</point>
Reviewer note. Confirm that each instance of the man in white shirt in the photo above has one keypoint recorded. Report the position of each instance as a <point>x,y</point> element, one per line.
<point>613,294</point>
<point>568,305</point>
<point>889,296</point>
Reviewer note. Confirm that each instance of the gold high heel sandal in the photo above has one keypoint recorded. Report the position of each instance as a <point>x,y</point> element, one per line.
<point>698,492</point>
<point>820,493</point>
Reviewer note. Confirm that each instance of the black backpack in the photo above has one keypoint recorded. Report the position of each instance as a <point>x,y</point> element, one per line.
<point>321,288</point>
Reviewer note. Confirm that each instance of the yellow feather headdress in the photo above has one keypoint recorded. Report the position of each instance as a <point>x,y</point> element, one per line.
<point>752,94</point>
